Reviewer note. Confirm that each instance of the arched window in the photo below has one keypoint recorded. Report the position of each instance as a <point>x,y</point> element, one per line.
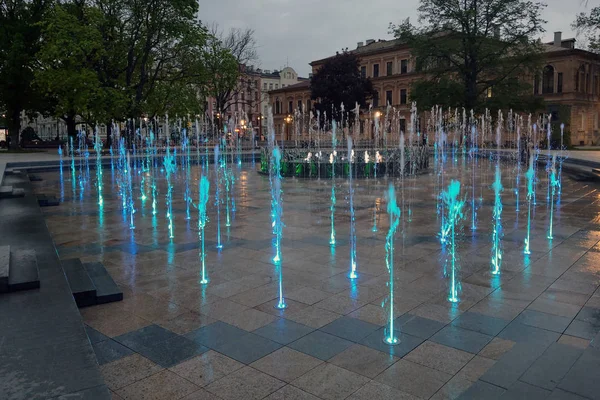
<point>548,79</point>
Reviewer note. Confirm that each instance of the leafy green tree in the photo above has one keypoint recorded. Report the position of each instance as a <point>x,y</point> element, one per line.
<point>19,42</point>
<point>72,46</point>
<point>589,26</point>
<point>338,82</point>
<point>473,52</point>
<point>223,70</point>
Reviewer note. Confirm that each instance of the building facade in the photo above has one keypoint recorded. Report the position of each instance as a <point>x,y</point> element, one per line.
<point>569,85</point>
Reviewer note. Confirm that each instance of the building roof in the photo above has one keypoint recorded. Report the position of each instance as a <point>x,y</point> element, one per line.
<point>303,85</point>
<point>379,46</point>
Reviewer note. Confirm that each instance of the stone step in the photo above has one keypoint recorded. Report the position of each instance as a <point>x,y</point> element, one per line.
<point>82,287</point>
<point>6,191</point>
<point>107,290</point>
<point>47,201</point>
<point>24,274</point>
<point>4,268</point>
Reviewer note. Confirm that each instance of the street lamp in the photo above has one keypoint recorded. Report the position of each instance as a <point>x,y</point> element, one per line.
<point>288,120</point>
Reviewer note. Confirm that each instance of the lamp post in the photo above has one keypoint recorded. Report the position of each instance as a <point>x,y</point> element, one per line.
<point>287,120</point>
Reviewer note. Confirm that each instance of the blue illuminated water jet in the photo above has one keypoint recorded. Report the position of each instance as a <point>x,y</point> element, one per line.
<point>218,194</point>
<point>332,157</point>
<point>169,165</point>
<point>530,175</point>
<point>553,184</point>
<point>203,194</point>
<point>99,183</point>
<point>353,274</point>
<point>278,228</point>
<point>454,207</point>
<point>394,213</point>
<point>497,228</point>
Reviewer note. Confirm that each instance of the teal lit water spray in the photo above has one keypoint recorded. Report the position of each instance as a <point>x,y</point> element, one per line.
<point>454,207</point>
<point>554,184</point>
<point>560,159</point>
<point>169,164</point>
<point>186,164</point>
<point>98,149</point>
<point>218,194</point>
<point>473,152</point>
<point>394,213</point>
<point>530,175</point>
<point>497,212</point>
<point>278,228</point>
<point>130,203</point>
<point>332,158</point>
<point>353,264</point>
<point>203,194</point>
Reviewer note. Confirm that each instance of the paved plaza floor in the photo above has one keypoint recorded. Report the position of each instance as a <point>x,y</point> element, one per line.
<point>527,333</point>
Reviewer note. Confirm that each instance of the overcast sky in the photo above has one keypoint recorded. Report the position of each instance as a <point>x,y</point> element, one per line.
<point>296,32</point>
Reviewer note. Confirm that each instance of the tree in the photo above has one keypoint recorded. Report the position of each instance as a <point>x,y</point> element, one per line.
<point>338,82</point>
<point>227,57</point>
<point>19,42</point>
<point>589,26</point>
<point>476,48</point>
<point>72,47</point>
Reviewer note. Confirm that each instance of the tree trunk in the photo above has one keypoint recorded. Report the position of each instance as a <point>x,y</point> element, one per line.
<point>14,129</point>
<point>109,127</point>
<point>71,126</point>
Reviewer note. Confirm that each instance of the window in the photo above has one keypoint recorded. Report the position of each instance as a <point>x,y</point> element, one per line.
<point>290,107</point>
<point>595,88</point>
<point>489,92</point>
<point>403,66</point>
<point>582,127</point>
<point>270,86</point>
<point>388,97</point>
<point>308,105</point>
<point>596,120</point>
<point>265,109</point>
<point>402,125</point>
<point>283,85</point>
<point>265,86</point>
<point>559,83</point>
<point>300,105</point>
<point>376,99</point>
<point>363,71</point>
<point>536,84</point>
<point>277,107</point>
<point>403,96</point>
<point>277,86</point>
<point>375,70</point>
<point>389,68</point>
<point>548,79</point>
<point>580,79</point>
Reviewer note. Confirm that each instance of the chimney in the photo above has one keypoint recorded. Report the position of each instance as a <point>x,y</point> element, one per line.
<point>558,39</point>
<point>369,41</point>
<point>359,44</point>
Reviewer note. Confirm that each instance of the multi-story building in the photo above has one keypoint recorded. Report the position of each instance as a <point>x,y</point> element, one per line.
<point>569,85</point>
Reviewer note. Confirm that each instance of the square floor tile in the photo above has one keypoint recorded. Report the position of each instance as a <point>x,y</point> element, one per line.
<point>439,357</point>
<point>552,366</point>
<point>248,348</point>
<point>330,382</point>
<point>290,392</point>
<point>364,360</point>
<point>206,368</point>
<point>186,322</point>
<point>127,370</point>
<point>172,351</point>
<point>286,364</point>
<point>462,339</point>
<point>418,326</point>
<point>375,390</point>
<point>308,295</point>
<point>412,378</point>
<point>250,319</point>
<point>452,389</point>
<point>480,323</point>
<point>320,345</point>
<point>482,390</point>
<point>245,384</point>
<point>109,351</point>
<point>216,335</point>
<point>542,320</point>
<point>313,316</point>
<point>164,385</point>
<point>582,378</point>
<point>94,335</point>
<point>284,331</point>
<point>582,329</point>
<point>145,337</point>
<point>350,328</point>
<point>496,348</point>
<point>521,390</point>
<point>406,342</point>
<point>476,368</point>
<point>518,332</point>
